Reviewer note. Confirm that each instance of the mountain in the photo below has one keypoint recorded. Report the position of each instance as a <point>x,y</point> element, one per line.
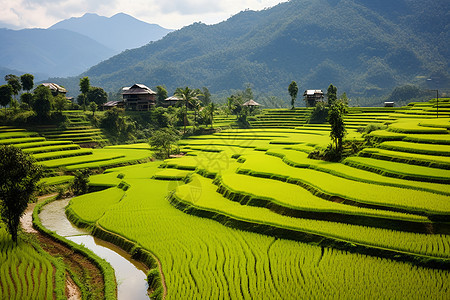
<point>49,52</point>
<point>362,47</point>
<point>119,32</point>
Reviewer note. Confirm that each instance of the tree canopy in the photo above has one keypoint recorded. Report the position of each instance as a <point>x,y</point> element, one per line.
<point>6,92</point>
<point>19,176</point>
<point>188,96</point>
<point>161,95</point>
<point>85,85</point>
<point>14,82</point>
<point>97,95</point>
<point>27,81</point>
<point>293,90</point>
<point>42,102</point>
<point>163,140</point>
<point>331,94</point>
<point>336,119</point>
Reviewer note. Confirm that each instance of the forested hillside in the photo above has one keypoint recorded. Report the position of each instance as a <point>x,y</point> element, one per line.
<point>364,48</point>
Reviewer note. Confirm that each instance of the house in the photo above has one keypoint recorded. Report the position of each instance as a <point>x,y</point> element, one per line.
<point>388,104</point>
<point>110,104</point>
<point>172,101</point>
<point>55,88</point>
<point>138,97</point>
<point>175,101</point>
<point>311,97</point>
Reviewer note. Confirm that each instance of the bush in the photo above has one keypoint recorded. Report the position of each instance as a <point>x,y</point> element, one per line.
<point>319,113</point>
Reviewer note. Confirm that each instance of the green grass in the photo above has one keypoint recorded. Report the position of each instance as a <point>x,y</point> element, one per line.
<point>202,195</point>
<point>61,154</point>
<point>27,272</point>
<point>201,258</point>
<point>399,169</point>
<point>46,149</point>
<point>413,126</point>
<point>335,186</point>
<point>441,150</point>
<point>294,197</point>
<point>299,158</point>
<point>14,141</point>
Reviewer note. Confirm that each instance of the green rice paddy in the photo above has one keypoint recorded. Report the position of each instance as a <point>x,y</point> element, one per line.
<point>245,214</point>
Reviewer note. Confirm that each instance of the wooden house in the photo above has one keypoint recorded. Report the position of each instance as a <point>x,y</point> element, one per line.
<point>56,89</point>
<point>311,97</point>
<point>138,97</point>
<point>175,101</point>
<point>110,104</point>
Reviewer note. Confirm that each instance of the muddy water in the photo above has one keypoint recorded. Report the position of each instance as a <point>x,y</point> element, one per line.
<point>130,274</point>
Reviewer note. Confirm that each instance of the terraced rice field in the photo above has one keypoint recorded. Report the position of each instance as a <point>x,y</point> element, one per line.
<point>245,214</point>
<point>26,273</point>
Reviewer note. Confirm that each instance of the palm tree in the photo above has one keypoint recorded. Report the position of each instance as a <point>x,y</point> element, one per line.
<point>188,96</point>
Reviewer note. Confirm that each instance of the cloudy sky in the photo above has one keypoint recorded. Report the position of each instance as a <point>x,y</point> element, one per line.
<point>172,14</point>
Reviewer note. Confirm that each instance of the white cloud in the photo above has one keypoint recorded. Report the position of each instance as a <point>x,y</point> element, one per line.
<point>170,14</point>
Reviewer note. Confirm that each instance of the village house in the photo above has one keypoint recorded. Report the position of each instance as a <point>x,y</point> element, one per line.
<point>138,97</point>
<point>311,97</point>
<point>175,101</point>
<point>110,104</point>
<point>55,89</point>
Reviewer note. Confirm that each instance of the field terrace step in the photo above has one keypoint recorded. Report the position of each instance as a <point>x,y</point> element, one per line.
<point>15,141</point>
<point>42,143</point>
<point>61,154</point>
<point>54,148</point>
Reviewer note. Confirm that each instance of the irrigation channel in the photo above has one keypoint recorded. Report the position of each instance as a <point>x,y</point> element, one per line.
<point>130,275</point>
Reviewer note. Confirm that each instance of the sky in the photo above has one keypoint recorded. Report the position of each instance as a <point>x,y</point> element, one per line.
<point>172,14</point>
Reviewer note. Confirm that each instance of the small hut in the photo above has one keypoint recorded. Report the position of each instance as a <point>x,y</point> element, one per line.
<point>251,103</point>
<point>311,97</point>
<point>110,104</point>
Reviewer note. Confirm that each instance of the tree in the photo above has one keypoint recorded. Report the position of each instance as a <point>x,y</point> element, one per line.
<point>161,95</point>
<point>42,102</point>
<point>5,95</point>
<point>81,100</point>
<point>80,184</point>
<point>210,113</point>
<point>14,82</point>
<point>187,95</point>
<point>205,96</point>
<point>336,120</point>
<point>93,107</point>
<point>85,85</point>
<point>19,176</point>
<point>293,91</point>
<point>163,140</point>
<point>331,94</point>
<point>27,81</point>
<point>97,95</point>
<point>60,103</point>
<point>27,98</point>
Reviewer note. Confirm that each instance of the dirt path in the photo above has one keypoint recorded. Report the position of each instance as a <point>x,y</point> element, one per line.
<point>86,271</point>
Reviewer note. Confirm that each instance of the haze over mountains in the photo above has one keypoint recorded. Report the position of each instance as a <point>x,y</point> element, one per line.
<point>366,48</point>
<point>119,32</point>
<point>72,46</point>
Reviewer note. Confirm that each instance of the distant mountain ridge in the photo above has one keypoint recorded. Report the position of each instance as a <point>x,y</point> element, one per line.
<point>364,48</point>
<point>55,52</point>
<point>119,32</point>
<point>70,47</point>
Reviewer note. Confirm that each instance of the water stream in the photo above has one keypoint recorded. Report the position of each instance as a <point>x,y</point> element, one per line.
<point>130,274</point>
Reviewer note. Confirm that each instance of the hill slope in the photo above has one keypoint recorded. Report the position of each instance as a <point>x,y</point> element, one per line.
<point>119,32</point>
<point>363,48</point>
<point>51,52</point>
